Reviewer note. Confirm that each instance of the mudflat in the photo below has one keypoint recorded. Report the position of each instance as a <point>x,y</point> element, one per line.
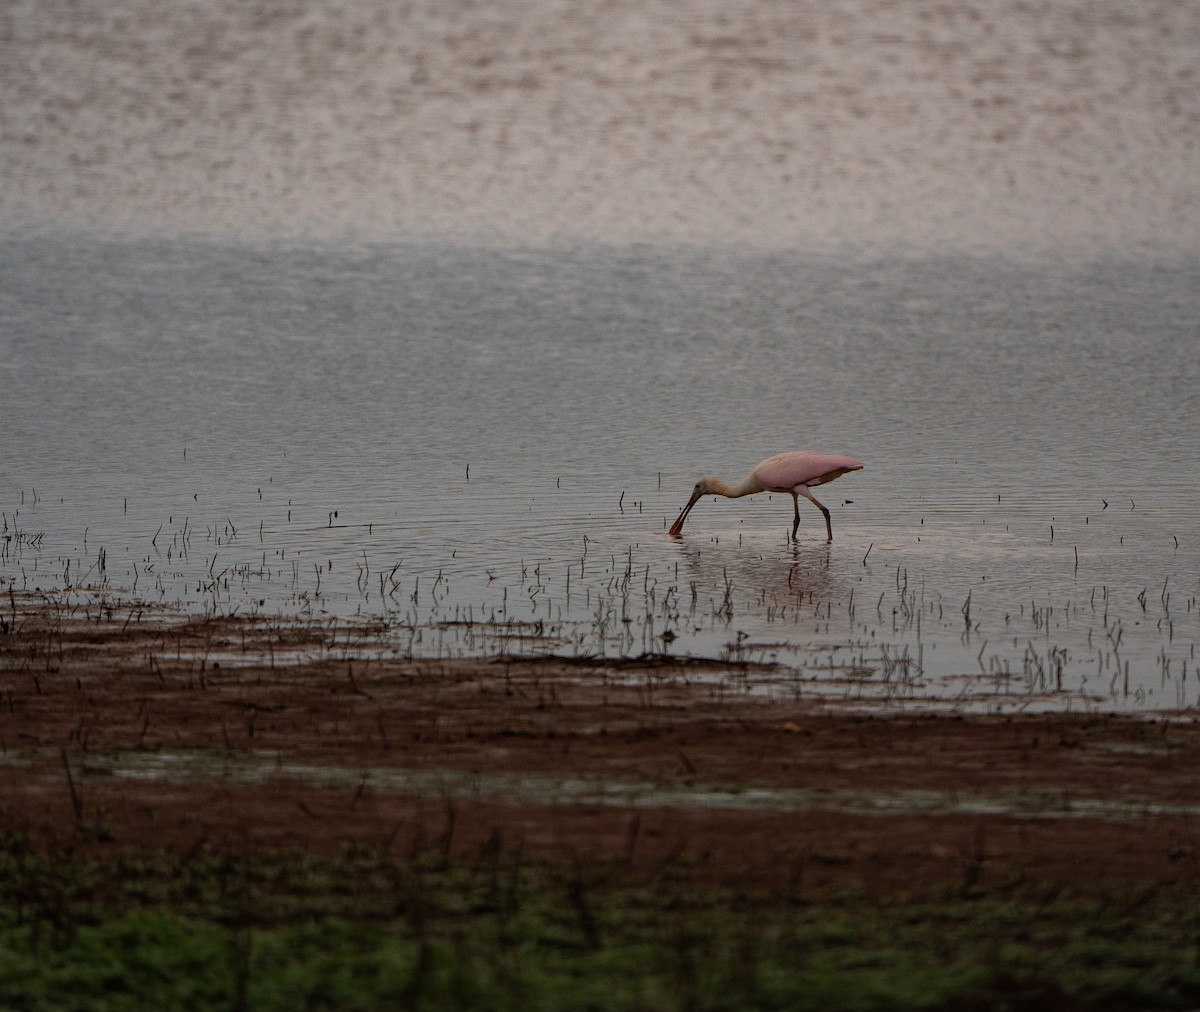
<point>127,727</point>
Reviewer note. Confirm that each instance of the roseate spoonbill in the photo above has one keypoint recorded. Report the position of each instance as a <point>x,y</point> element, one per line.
<point>794,472</point>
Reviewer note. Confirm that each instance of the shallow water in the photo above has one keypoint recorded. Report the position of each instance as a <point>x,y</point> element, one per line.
<point>994,123</point>
<point>487,445</point>
<point>483,289</point>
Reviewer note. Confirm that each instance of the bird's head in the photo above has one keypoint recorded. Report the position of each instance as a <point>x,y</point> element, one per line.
<point>705,486</point>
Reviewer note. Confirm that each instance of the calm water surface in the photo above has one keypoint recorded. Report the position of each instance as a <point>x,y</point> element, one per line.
<point>487,445</point>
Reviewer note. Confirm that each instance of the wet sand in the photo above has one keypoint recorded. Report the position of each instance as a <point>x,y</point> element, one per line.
<point>130,727</point>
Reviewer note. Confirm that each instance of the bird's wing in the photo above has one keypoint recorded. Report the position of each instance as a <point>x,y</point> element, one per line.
<point>803,467</point>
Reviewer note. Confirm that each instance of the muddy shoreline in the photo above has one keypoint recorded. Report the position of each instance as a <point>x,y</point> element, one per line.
<point>131,728</point>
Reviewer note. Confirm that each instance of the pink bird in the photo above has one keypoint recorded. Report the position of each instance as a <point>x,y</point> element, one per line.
<point>794,472</point>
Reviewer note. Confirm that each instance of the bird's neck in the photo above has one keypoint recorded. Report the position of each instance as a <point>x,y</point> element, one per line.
<point>747,486</point>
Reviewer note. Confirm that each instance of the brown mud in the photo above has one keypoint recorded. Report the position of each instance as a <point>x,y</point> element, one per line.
<point>129,727</point>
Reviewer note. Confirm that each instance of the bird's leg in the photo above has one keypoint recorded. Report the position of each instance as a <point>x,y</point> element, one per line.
<point>802,490</point>
<point>796,522</point>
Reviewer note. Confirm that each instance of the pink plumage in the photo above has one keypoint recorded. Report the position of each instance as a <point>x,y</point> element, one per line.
<point>784,471</point>
<point>794,472</point>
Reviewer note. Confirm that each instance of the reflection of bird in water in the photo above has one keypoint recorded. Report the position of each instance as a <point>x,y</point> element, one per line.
<point>794,472</point>
<point>765,580</point>
<point>765,602</point>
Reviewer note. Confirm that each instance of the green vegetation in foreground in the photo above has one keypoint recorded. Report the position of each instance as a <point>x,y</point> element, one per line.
<point>366,932</point>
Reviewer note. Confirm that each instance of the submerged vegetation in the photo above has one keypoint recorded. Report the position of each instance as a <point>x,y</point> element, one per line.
<point>839,625</point>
